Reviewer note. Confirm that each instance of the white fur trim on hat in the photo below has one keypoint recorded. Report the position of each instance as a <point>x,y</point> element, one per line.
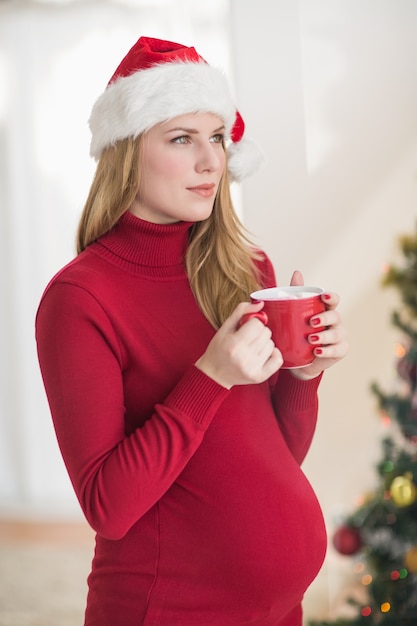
<point>133,104</point>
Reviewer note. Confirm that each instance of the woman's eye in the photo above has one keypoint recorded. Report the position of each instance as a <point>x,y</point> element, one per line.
<point>219,138</point>
<point>182,139</point>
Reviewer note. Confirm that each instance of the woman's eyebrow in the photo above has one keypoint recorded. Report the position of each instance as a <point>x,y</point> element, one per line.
<point>191,131</point>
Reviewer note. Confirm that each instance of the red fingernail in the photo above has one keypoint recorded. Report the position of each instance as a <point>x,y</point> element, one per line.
<point>315,321</point>
<point>318,351</point>
<point>327,296</point>
<point>314,337</point>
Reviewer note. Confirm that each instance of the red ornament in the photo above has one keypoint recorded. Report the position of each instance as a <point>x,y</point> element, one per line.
<point>347,540</point>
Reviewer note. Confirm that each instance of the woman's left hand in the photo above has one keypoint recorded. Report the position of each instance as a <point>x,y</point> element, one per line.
<point>332,345</point>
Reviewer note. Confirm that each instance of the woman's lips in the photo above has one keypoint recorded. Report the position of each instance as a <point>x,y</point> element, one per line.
<point>206,191</point>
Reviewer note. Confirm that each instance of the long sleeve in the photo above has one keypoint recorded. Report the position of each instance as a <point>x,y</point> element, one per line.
<point>296,407</point>
<point>117,478</point>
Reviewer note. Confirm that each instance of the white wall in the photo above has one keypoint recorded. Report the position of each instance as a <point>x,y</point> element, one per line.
<point>329,89</point>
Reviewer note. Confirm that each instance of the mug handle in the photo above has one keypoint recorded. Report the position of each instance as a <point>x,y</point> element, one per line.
<point>260,315</point>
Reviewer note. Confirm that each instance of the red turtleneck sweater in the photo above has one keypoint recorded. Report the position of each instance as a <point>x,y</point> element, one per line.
<point>203,515</point>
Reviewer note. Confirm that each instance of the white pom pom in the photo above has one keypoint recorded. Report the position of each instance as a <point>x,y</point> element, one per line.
<point>244,158</point>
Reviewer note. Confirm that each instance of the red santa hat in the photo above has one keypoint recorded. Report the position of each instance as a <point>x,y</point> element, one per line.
<point>158,80</point>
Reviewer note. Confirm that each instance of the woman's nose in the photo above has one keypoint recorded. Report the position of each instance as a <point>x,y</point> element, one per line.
<point>211,158</point>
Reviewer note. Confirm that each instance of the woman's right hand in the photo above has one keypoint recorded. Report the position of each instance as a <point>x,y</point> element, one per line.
<point>242,355</point>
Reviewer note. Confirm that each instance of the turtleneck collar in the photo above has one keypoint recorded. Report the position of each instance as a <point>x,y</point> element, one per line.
<point>141,246</point>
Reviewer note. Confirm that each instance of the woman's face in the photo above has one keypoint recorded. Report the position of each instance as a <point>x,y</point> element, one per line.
<point>182,163</point>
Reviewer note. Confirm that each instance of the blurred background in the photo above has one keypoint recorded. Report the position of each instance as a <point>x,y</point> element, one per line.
<point>328,89</point>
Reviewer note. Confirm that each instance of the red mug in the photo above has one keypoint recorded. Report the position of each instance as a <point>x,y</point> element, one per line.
<point>287,312</point>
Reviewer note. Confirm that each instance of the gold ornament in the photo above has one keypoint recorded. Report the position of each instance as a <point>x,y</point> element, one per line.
<point>411,560</point>
<point>403,491</point>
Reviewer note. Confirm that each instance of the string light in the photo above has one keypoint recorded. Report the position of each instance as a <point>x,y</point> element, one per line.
<point>385,419</point>
<point>395,575</point>
<point>399,350</point>
<point>385,607</point>
<point>367,579</point>
<point>366,611</point>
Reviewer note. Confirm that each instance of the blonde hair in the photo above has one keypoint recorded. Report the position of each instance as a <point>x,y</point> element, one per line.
<point>112,191</point>
<point>220,259</point>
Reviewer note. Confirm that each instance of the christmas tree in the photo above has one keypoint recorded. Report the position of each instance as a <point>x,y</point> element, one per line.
<point>381,535</point>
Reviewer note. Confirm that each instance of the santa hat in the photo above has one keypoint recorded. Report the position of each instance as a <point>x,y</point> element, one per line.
<point>158,80</point>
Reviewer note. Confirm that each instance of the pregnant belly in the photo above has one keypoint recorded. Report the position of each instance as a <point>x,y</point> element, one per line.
<point>251,541</point>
